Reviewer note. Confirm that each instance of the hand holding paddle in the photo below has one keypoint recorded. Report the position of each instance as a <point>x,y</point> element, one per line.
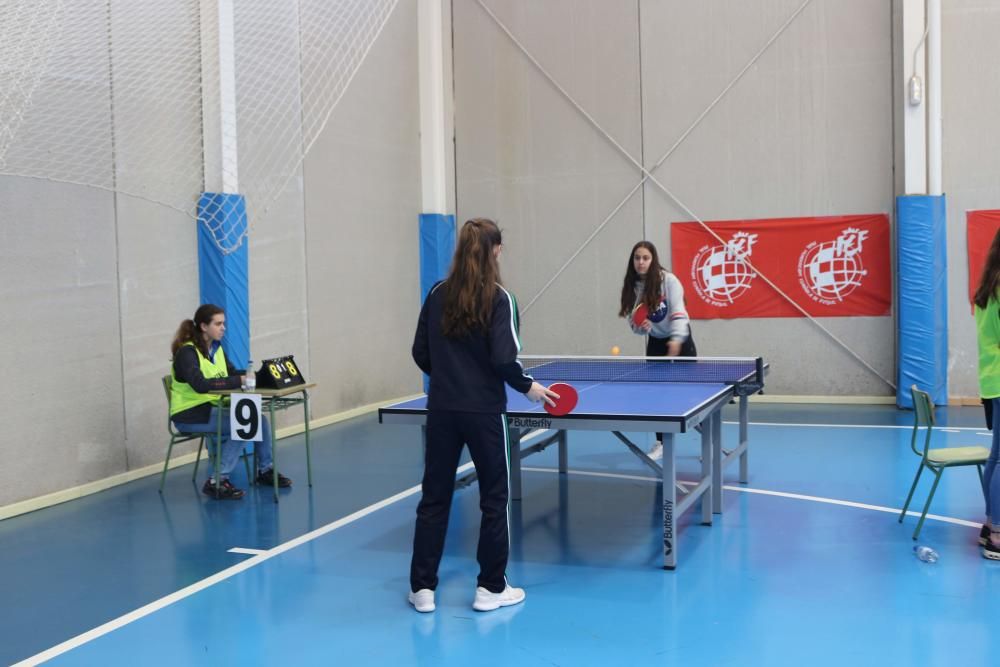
<point>539,393</point>
<point>640,317</point>
<point>565,401</point>
<point>640,314</point>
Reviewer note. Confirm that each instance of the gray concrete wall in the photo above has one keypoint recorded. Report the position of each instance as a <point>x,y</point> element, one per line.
<point>63,397</point>
<point>64,400</point>
<point>970,60</point>
<point>96,282</point>
<point>155,246</point>
<point>807,132</point>
<point>271,61</point>
<point>530,160</point>
<point>362,202</point>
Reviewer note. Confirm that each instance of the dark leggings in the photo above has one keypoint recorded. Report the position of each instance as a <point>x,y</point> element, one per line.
<point>657,347</point>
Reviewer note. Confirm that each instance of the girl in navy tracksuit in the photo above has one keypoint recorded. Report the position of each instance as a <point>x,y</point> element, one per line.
<point>467,342</point>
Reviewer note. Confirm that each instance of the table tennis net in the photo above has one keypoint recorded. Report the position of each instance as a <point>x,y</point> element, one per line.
<point>723,370</point>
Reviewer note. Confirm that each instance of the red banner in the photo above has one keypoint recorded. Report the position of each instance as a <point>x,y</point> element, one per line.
<point>835,266</point>
<point>981,227</point>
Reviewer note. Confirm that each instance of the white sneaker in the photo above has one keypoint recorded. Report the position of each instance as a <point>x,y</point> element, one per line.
<point>486,601</point>
<point>656,451</point>
<point>422,600</point>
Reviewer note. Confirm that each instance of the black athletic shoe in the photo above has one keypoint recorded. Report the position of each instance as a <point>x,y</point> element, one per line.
<point>991,552</point>
<point>984,535</point>
<point>267,478</point>
<point>226,490</point>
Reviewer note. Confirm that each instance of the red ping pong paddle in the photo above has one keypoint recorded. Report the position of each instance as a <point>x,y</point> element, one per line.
<point>640,314</point>
<point>566,401</point>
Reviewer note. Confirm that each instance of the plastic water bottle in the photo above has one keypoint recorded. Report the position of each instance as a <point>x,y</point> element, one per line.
<point>925,554</point>
<point>250,379</point>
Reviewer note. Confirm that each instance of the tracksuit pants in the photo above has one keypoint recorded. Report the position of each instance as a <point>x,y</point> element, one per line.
<point>486,436</point>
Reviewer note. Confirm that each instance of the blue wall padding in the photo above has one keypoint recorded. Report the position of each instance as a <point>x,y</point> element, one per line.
<point>922,321</point>
<point>437,245</point>
<point>223,277</point>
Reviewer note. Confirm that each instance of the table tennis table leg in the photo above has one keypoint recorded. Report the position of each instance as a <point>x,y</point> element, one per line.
<point>744,436</point>
<point>718,460</point>
<point>669,503</point>
<point>305,413</point>
<point>274,451</point>
<point>707,472</point>
<point>563,454</point>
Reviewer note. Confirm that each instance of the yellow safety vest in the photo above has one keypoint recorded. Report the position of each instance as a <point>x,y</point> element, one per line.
<point>183,396</point>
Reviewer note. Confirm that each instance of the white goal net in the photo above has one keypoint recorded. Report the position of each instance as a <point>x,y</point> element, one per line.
<point>123,94</point>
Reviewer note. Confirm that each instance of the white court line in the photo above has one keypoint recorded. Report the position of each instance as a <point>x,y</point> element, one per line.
<point>956,429</point>
<point>251,552</point>
<point>216,578</point>
<point>765,492</point>
<point>257,559</point>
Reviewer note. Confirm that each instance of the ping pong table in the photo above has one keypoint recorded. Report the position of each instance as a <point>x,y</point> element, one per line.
<point>665,395</point>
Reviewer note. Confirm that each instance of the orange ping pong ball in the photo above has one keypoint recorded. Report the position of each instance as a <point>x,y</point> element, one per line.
<point>615,350</point>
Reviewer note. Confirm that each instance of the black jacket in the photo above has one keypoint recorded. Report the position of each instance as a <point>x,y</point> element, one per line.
<point>468,374</point>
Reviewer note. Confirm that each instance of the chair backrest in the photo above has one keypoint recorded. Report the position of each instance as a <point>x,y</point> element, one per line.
<point>168,382</point>
<point>923,411</point>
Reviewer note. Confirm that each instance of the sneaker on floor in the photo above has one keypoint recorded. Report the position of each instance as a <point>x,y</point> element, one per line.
<point>656,451</point>
<point>984,535</point>
<point>267,478</point>
<point>990,551</point>
<point>226,490</point>
<point>422,600</point>
<point>487,601</point>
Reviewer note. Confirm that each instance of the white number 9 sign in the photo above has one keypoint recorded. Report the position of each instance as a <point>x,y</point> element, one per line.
<point>244,417</point>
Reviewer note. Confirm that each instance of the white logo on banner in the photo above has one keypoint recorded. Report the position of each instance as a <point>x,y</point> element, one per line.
<point>830,271</point>
<point>719,273</point>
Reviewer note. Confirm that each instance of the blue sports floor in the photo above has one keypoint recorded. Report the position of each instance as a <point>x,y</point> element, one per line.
<point>807,566</point>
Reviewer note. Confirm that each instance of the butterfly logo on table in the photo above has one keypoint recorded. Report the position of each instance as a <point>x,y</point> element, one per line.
<point>720,274</point>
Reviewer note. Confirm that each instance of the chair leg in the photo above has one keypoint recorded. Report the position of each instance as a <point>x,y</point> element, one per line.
<point>197,459</point>
<point>913,487</point>
<point>166,464</point>
<point>246,466</point>
<point>217,467</point>
<point>927,505</point>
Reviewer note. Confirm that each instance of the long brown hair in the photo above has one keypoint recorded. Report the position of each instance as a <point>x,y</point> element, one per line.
<point>654,281</point>
<point>472,280</point>
<point>990,280</point>
<point>190,330</point>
